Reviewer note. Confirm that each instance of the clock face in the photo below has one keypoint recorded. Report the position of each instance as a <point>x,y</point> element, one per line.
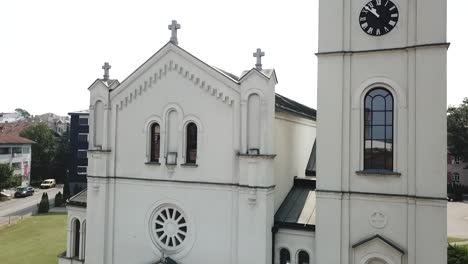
<point>378,17</point>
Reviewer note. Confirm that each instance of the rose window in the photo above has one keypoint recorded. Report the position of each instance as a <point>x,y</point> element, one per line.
<point>170,228</point>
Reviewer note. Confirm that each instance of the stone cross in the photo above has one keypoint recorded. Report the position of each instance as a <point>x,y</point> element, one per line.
<point>173,27</point>
<point>106,67</point>
<point>259,54</point>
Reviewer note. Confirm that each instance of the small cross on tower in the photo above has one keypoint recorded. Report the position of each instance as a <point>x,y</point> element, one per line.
<point>173,27</point>
<point>106,67</point>
<point>259,54</point>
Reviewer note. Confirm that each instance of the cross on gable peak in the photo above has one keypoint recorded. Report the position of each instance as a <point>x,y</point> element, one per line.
<point>106,67</point>
<point>259,54</point>
<point>173,27</point>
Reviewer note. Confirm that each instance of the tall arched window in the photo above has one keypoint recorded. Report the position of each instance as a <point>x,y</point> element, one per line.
<point>76,239</point>
<point>303,257</point>
<point>285,257</point>
<point>98,123</point>
<point>253,124</point>
<point>155,139</point>
<point>191,152</point>
<point>376,261</point>
<point>378,130</point>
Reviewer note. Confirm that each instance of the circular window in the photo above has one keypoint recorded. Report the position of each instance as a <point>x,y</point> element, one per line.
<point>169,228</point>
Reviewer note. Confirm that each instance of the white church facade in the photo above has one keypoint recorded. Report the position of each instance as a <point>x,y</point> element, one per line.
<point>191,164</point>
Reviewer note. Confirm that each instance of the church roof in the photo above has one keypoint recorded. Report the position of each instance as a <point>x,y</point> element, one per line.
<point>284,104</point>
<point>298,209</point>
<point>79,199</point>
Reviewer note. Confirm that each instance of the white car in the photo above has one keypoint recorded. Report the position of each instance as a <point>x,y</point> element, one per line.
<point>49,183</point>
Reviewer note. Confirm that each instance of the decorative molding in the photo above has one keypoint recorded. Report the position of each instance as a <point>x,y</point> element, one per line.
<point>173,67</point>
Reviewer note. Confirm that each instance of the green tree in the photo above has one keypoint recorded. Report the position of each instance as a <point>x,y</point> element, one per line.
<point>43,151</point>
<point>58,199</point>
<point>457,129</point>
<point>61,160</point>
<point>7,180</point>
<point>457,255</point>
<point>43,206</point>
<point>23,112</point>
<point>66,187</point>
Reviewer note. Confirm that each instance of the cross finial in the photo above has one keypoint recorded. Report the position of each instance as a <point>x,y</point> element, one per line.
<point>259,54</point>
<point>106,67</point>
<point>173,27</point>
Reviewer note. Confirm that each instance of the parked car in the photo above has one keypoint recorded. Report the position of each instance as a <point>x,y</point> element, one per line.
<point>24,191</point>
<point>49,183</point>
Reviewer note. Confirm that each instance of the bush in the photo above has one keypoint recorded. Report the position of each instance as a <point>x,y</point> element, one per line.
<point>457,190</point>
<point>58,199</point>
<point>457,255</point>
<point>43,206</point>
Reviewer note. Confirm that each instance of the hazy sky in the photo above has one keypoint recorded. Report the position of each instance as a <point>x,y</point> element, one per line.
<point>52,50</point>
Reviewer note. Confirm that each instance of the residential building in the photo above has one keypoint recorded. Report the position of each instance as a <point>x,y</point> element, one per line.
<point>16,152</point>
<point>79,130</point>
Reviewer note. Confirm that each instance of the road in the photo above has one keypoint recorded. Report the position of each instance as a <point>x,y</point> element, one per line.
<point>26,205</point>
<point>457,219</point>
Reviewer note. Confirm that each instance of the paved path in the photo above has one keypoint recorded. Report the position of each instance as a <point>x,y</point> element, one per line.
<point>457,219</point>
<point>24,206</point>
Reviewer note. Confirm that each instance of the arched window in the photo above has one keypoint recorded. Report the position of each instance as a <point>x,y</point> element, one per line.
<point>303,257</point>
<point>76,239</point>
<point>191,152</point>
<point>378,130</point>
<point>98,123</point>
<point>253,124</point>
<point>285,257</point>
<point>155,139</point>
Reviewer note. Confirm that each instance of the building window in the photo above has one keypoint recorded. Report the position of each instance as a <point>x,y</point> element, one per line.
<point>17,150</point>
<point>26,150</point>
<point>16,165</point>
<point>76,239</point>
<point>83,121</point>
<point>82,154</point>
<point>5,151</point>
<point>378,130</point>
<point>191,154</point>
<point>303,257</point>
<point>253,124</point>
<point>456,177</point>
<point>81,170</point>
<point>285,257</point>
<point>82,138</point>
<point>155,142</point>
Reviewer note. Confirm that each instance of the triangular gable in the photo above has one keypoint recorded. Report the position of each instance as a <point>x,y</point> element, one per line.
<point>215,73</point>
<point>379,237</point>
<point>266,74</point>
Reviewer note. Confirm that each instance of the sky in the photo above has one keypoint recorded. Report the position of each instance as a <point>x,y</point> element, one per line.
<point>52,50</point>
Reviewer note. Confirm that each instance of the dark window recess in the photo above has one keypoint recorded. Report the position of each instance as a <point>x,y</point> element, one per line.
<point>82,154</point>
<point>303,258</point>
<point>81,169</point>
<point>83,138</point>
<point>191,153</point>
<point>285,257</point>
<point>378,130</point>
<point>155,142</point>
<point>77,239</point>
<point>83,121</point>
<point>17,150</point>
<point>5,151</point>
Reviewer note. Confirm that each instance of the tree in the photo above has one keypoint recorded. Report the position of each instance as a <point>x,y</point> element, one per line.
<point>43,151</point>
<point>43,206</point>
<point>457,129</point>
<point>58,199</point>
<point>7,180</point>
<point>66,187</point>
<point>23,113</point>
<point>61,160</point>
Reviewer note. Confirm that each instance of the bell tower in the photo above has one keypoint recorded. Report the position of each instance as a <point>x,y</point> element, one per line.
<point>381,160</point>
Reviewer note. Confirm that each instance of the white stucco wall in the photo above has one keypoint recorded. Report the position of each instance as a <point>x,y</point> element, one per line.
<point>294,139</point>
<point>295,241</point>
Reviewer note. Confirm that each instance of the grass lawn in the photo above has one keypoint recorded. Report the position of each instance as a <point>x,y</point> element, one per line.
<point>455,239</point>
<point>36,239</point>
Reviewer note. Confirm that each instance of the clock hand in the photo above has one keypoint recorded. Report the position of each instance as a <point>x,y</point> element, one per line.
<point>372,10</point>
